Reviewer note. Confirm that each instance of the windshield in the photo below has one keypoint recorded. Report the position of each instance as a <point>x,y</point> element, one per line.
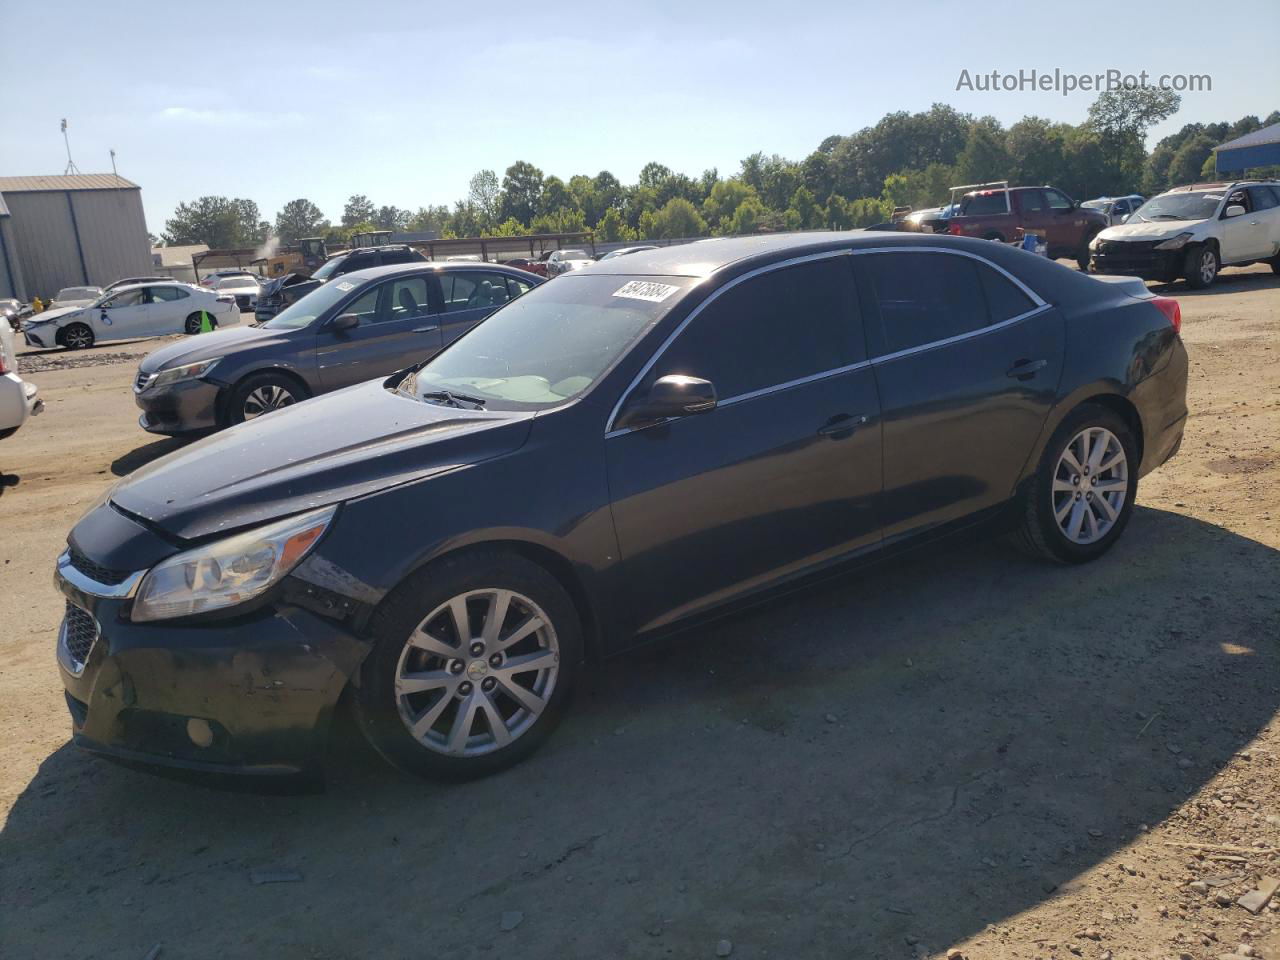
<point>551,344</point>
<point>1180,206</point>
<point>574,255</point>
<point>78,293</point>
<point>228,283</point>
<point>311,306</point>
<point>1096,204</point>
<point>328,268</point>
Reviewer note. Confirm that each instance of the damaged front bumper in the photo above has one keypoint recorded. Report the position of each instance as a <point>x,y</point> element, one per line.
<point>232,700</point>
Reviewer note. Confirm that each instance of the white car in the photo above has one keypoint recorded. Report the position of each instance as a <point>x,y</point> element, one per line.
<point>562,261</point>
<point>146,310</point>
<point>1193,232</point>
<point>1116,209</point>
<point>75,296</point>
<point>18,399</point>
<point>243,287</point>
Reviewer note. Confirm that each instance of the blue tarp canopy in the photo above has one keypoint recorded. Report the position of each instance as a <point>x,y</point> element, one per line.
<point>1258,149</point>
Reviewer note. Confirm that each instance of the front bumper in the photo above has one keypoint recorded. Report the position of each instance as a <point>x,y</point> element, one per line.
<point>44,335</point>
<point>185,407</point>
<point>240,700</point>
<point>18,401</point>
<point>1137,259</point>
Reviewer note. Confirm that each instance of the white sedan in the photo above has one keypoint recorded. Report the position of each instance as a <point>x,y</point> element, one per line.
<point>145,310</point>
<point>563,261</point>
<point>18,399</point>
<point>76,296</point>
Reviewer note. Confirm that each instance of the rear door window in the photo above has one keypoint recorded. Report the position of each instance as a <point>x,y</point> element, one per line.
<point>472,290</point>
<point>408,299</point>
<point>1263,198</point>
<point>1004,300</point>
<point>923,298</point>
<point>781,326</point>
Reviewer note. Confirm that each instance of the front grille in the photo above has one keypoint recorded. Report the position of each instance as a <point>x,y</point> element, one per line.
<point>96,571</point>
<point>142,381</point>
<point>243,301</point>
<point>78,634</point>
<point>1127,247</point>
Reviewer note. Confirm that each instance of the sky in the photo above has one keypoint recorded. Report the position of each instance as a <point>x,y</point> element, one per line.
<point>404,101</point>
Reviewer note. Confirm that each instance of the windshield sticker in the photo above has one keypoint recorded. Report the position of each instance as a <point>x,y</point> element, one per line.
<point>345,285</point>
<point>645,290</point>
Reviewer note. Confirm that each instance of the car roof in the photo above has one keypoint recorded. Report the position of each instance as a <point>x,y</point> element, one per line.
<point>442,266</point>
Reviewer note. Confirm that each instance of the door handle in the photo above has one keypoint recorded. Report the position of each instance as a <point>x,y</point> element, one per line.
<point>840,426</point>
<point>428,329</point>
<point>1026,369</point>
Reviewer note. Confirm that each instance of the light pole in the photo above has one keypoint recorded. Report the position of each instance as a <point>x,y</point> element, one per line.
<point>71,164</point>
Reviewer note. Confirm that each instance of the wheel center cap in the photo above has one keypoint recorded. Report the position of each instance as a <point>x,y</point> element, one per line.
<point>477,669</point>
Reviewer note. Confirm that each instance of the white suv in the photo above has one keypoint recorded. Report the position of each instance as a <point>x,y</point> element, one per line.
<point>18,399</point>
<point>1193,232</point>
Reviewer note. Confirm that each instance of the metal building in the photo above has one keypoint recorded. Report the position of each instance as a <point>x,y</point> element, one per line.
<point>77,230</point>
<point>10,278</point>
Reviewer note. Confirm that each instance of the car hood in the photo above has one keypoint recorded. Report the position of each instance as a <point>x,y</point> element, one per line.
<point>1148,229</point>
<point>206,346</point>
<point>332,448</point>
<point>57,313</point>
<point>273,286</point>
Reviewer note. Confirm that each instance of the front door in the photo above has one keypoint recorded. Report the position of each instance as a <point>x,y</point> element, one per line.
<point>123,316</point>
<point>1066,222</point>
<point>967,364</point>
<point>397,329</point>
<point>782,474</point>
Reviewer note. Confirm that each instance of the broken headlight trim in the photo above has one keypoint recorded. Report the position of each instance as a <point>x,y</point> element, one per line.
<point>230,571</point>
<point>1175,243</point>
<point>190,371</point>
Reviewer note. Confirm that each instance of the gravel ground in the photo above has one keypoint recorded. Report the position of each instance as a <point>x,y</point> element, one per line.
<point>961,752</point>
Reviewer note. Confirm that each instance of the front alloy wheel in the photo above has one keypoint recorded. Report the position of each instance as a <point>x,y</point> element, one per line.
<point>473,660</point>
<point>265,399</point>
<point>477,672</point>
<point>1201,267</point>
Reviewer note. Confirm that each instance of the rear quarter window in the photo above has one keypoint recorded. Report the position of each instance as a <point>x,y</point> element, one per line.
<point>983,204</point>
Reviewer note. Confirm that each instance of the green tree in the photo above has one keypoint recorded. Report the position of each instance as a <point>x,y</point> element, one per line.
<point>358,209</point>
<point>609,191</point>
<point>677,218</point>
<point>510,228</point>
<point>809,215</point>
<point>392,218</point>
<point>1034,145</point>
<point>555,196</point>
<point>1189,159</point>
<point>837,213</point>
<point>583,196</point>
<point>483,193</point>
<point>430,219</point>
<point>724,199</point>
<point>1122,119</point>
<point>218,222</point>
<point>521,192</point>
<point>299,218</point>
<point>612,228</point>
<point>984,157</point>
<point>747,216</point>
<point>652,174</point>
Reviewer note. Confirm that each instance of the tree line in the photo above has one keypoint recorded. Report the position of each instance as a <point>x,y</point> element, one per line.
<point>910,159</point>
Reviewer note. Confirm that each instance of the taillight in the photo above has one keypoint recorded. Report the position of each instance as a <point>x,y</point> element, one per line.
<point>1172,311</point>
<point>4,355</point>
<point>954,229</point>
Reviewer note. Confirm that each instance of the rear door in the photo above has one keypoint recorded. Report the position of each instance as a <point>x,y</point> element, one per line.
<point>967,363</point>
<point>396,330</point>
<point>467,297</point>
<point>168,309</point>
<point>782,474</point>
<point>1265,217</point>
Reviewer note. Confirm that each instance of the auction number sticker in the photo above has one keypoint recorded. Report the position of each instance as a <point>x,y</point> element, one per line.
<point>346,285</point>
<point>645,290</point>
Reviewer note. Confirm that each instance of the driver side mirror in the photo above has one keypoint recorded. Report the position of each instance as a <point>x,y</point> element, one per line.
<point>348,321</point>
<point>669,397</point>
<point>1235,210</point>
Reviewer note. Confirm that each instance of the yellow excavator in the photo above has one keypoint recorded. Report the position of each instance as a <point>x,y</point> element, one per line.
<point>302,259</point>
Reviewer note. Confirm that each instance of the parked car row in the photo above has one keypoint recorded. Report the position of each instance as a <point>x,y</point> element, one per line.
<point>637,446</point>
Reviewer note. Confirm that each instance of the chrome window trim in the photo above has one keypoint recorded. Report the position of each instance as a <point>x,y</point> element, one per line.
<point>715,294</point>
<point>1036,299</point>
<point>120,591</point>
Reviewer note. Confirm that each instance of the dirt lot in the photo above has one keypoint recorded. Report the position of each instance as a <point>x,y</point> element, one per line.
<point>967,750</point>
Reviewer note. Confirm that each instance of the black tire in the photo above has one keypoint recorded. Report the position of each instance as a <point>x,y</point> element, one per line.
<point>995,235</point>
<point>192,326</point>
<point>241,402</point>
<point>1082,255</point>
<point>375,705</point>
<point>77,336</point>
<point>1038,533</point>
<point>1200,266</point>
<point>1275,265</point>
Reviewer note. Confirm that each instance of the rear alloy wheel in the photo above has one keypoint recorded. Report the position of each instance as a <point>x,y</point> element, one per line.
<point>77,336</point>
<point>1082,496</point>
<point>1200,267</point>
<point>472,666</point>
<point>263,394</point>
<point>192,325</point>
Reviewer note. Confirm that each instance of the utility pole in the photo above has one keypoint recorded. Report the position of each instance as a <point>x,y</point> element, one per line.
<point>71,164</point>
<point>113,162</point>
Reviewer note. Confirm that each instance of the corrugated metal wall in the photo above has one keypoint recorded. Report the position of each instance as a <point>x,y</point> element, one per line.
<point>11,284</point>
<point>110,226</point>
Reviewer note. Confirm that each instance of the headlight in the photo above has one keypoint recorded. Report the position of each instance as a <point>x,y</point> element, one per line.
<point>1174,243</point>
<point>190,371</point>
<point>1093,244</point>
<point>228,572</point>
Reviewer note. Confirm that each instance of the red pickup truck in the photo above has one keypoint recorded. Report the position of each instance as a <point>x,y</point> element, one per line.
<point>998,214</point>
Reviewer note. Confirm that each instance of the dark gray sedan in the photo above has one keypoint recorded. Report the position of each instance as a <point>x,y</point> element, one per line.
<point>366,324</point>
